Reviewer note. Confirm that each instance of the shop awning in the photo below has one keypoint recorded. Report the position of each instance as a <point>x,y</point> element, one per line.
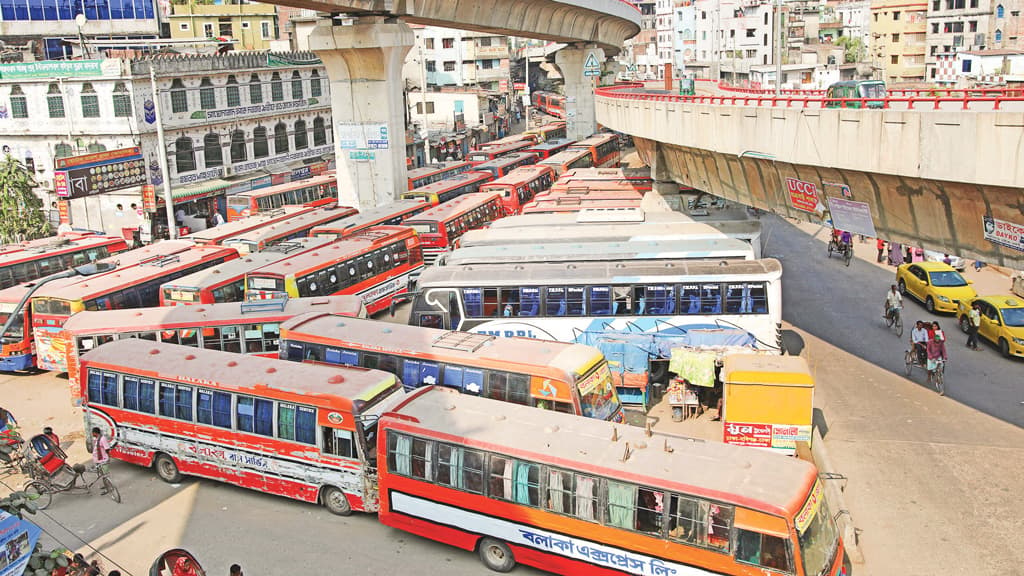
<point>197,190</point>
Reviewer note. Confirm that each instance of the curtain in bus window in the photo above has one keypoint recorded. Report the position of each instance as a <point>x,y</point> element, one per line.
<point>527,484</point>
<point>422,459</point>
<point>411,373</point>
<point>244,412</point>
<point>147,400</point>
<point>253,339</point>
<point>403,455</point>
<point>574,301</point>
<point>264,417</point>
<point>600,301</point>
<point>530,304</point>
<point>690,299</point>
<point>183,403</point>
<point>473,380</point>
<point>130,393</point>
<point>586,498</point>
<point>472,471</point>
<point>711,299</point>
<point>204,407</point>
<point>167,400</point>
<point>500,484</point>
<point>222,409</point>
<point>189,338</point>
<point>622,305</point>
<point>758,298</point>
<point>556,491</point>
<point>95,387</point>
<point>305,425</point>
<point>286,421</point>
<point>621,505</point>
<point>474,304</point>
<point>449,460</point>
<point>556,301</point>
<point>685,520</point>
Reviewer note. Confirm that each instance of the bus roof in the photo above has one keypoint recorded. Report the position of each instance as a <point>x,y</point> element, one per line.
<point>453,207</point>
<point>370,216</point>
<point>615,232</point>
<point>520,175</point>
<point>595,272</point>
<point>432,168</point>
<point>595,139</point>
<point>451,181</point>
<point>315,217</point>
<point>503,161</point>
<point>332,251</point>
<point>327,178</point>
<point>735,474</point>
<point>592,174</point>
<point>239,266</point>
<point>717,249</point>
<point>103,283</point>
<point>240,372</point>
<point>33,249</point>
<point>565,156</point>
<point>168,317</point>
<point>552,144</point>
<point>597,216</point>
<point>216,234</point>
<point>450,345</point>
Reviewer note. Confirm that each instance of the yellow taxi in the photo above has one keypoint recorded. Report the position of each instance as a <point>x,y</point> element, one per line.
<point>936,284</point>
<point>1002,322</point>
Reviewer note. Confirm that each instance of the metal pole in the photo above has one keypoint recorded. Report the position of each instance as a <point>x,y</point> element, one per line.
<point>13,316</point>
<point>165,171</point>
<point>423,101</point>
<point>716,21</point>
<point>778,47</point>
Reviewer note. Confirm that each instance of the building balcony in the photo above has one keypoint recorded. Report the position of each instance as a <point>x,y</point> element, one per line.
<point>485,52</point>
<point>489,74</point>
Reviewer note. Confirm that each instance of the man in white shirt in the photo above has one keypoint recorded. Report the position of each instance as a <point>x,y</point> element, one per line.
<point>893,300</point>
<point>919,336</point>
<point>217,219</point>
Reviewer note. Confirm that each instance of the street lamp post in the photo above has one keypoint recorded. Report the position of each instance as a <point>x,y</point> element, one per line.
<point>83,270</point>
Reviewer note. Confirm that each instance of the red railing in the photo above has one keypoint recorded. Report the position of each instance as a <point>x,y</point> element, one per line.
<point>912,102</point>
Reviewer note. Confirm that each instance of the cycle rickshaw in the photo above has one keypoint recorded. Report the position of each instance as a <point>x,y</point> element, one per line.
<point>936,378</point>
<point>46,466</point>
<point>844,249</point>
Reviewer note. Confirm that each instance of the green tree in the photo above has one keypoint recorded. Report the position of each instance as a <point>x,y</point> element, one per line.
<point>21,211</point>
<point>854,49</point>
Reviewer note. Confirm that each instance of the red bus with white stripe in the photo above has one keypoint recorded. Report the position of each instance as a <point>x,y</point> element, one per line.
<point>34,259</point>
<point>434,172</point>
<point>603,148</point>
<point>316,191</point>
<point>391,214</point>
<point>450,188</point>
<point>520,186</point>
<point>497,151</point>
<point>440,227</point>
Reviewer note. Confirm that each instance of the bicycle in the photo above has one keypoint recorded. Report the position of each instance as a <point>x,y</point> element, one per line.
<point>42,488</point>
<point>937,376</point>
<point>894,320</point>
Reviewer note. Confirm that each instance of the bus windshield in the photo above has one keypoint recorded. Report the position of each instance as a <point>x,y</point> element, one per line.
<point>597,394</point>
<point>425,228</point>
<point>819,539</point>
<point>181,295</point>
<point>872,90</point>
<point>17,328</point>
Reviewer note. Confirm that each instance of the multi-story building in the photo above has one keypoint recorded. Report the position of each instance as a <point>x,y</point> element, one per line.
<point>463,58</point>
<point>87,130</point>
<point>664,18</point>
<point>898,31</point>
<point>251,26</point>
<point>734,36</point>
<point>49,23</point>
<point>1008,25</point>
<point>802,18</point>
<point>684,39</point>
<point>855,16</point>
<point>955,26</point>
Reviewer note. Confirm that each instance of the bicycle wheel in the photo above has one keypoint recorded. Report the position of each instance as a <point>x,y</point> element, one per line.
<point>39,494</point>
<point>899,324</point>
<point>889,319</point>
<point>940,384</point>
<point>848,255</point>
<point>831,246</point>
<point>111,490</point>
<point>909,359</point>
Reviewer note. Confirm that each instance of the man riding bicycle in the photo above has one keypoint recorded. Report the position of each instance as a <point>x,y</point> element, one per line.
<point>893,302</point>
<point>100,453</point>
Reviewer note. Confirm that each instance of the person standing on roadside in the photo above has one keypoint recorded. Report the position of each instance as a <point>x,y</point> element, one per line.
<point>880,244</point>
<point>974,318</point>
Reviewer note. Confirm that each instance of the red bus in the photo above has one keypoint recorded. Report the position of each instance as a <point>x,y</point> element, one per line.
<point>388,215</point>
<point>429,174</point>
<point>478,157</point>
<point>290,229</point>
<point>316,191</point>
<point>500,167</point>
<point>134,287</point>
<point>549,148</point>
<point>18,352</point>
<point>226,282</point>
<point>553,131</point>
<point>37,258</point>
<point>375,264</point>
<point>571,158</point>
<point>440,227</point>
<point>604,149</point>
<point>449,188</point>
<point>240,327</point>
<point>218,234</point>
<point>641,178</point>
<point>511,139</point>
<point>550,103</point>
<point>568,203</point>
<point>575,495</point>
<point>520,186</point>
<point>302,431</point>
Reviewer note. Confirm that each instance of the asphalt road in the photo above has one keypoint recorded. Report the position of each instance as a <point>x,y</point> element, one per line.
<point>843,307</point>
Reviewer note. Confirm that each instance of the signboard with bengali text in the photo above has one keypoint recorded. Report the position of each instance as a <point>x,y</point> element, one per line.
<point>804,196</point>
<point>1004,233</point>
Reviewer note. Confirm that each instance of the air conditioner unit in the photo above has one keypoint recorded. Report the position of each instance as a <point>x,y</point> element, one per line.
<point>229,171</point>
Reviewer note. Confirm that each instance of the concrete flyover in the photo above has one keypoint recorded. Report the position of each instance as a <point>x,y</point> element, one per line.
<point>944,171</point>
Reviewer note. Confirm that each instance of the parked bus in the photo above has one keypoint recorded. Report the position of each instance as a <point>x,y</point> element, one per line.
<point>429,174</point>
<point>440,227</point>
<point>560,301</point>
<point>549,103</point>
<point>391,214</point>
<point>34,259</point>
<point>511,139</point>
<point>226,282</point>
<point>495,151</point>
<point>135,287</point>
<point>18,345</point>
<point>520,186</point>
<point>302,431</point>
<point>240,327</point>
<point>374,264</point>
<point>291,229</point>
<point>853,94</point>
<point>218,234</point>
<point>563,204</point>
<point>576,496</point>
<point>641,179</point>
<point>549,148</point>
<point>604,149</point>
<point>567,160</point>
<point>551,131</point>
<point>554,376</point>
<point>500,167</point>
<point>709,250</point>
<point>449,188</point>
<point>316,191</point>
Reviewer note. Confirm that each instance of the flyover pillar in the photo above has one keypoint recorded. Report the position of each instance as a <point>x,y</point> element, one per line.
<point>581,69</point>
<point>364,65</point>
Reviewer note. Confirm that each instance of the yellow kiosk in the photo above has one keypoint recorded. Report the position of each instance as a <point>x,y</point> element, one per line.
<point>767,401</point>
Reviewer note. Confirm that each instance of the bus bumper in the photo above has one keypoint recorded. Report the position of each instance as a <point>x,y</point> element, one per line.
<point>16,363</point>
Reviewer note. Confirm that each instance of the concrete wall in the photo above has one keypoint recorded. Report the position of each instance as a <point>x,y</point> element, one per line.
<point>929,177</point>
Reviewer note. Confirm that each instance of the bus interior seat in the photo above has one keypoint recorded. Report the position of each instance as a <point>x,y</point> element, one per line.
<point>530,306</point>
<point>669,307</point>
<point>473,304</point>
<point>694,305</point>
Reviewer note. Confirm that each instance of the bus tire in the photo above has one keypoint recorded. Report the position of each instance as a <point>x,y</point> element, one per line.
<point>496,555</point>
<point>166,469</point>
<point>335,501</point>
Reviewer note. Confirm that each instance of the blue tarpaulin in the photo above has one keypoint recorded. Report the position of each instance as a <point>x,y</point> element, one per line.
<point>632,351</point>
<point>17,540</point>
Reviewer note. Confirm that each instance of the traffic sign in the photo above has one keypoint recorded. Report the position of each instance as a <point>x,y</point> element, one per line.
<point>591,66</point>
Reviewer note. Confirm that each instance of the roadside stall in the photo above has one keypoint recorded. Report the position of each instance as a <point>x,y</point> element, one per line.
<point>767,402</point>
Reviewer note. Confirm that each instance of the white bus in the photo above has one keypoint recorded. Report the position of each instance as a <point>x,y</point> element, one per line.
<point>711,250</point>
<point>561,301</point>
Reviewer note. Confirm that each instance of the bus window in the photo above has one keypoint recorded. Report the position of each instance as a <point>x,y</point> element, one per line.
<point>530,302</point>
<point>762,550</point>
<point>600,301</point>
<point>510,302</point>
<point>711,299</point>
<point>339,443</point>
<point>623,301</point>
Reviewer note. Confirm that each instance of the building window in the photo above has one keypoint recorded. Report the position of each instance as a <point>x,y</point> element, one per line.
<point>974,3</point>
<point>208,31</point>
<point>260,148</point>
<point>179,97</point>
<point>972,26</point>
<point>255,89</point>
<point>62,150</point>
<point>315,89</point>
<point>428,43</point>
<point>1000,12</point>
<point>245,25</point>
<point>895,37</point>
<point>207,95</point>
<point>183,26</point>
<point>935,27</point>
<point>449,66</point>
<point>751,33</point>
<point>213,156</point>
<point>896,15</point>
<point>122,101</point>
<point>184,156</point>
<point>55,101</point>
<point>999,35</point>
<point>485,41</point>
<point>233,93</point>
<point>297,86</point>
<point>319,132</point>
<point>486,64</point>
<point>238,152</point>
<point>431,66</point>
<point>895,59</point>
<point>19,104</point>
<point>265,30</point>
<point>276,88</point>
<point>224,27</point>
<point>934,50</point>
<point>301,136</point>
<point>966,65</point>
<point>280,138</point>
<point>95,147</point>
<point>419,108</point>
<point>448,43</point>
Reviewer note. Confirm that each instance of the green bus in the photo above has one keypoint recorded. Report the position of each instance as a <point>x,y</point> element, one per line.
<point>842,94</point>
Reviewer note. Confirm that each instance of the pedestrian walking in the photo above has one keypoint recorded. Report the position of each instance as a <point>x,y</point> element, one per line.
<point>974,316</point>
<point>880,244</point>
